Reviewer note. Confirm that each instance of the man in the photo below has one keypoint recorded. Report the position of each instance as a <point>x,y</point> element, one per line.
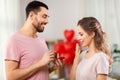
<point>27,55</point>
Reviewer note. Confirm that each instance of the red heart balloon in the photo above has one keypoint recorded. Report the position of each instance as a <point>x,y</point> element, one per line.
<point>69,34</point>
<point>66,49</point>
<point>68,58</point>
<point>59,47</point>
<point>68,46</point>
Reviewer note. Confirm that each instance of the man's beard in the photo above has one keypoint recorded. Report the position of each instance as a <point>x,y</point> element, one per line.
<point>38,27</point>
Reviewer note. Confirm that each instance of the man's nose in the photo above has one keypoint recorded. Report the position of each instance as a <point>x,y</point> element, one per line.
<point>46,21</point>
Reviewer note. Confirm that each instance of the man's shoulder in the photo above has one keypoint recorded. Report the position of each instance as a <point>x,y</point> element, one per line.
<point>13,37</point>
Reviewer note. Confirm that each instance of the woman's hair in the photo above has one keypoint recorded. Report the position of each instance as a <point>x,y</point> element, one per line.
<point>90,25</point>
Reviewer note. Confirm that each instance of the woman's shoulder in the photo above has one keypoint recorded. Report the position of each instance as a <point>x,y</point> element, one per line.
<point>102,56</point>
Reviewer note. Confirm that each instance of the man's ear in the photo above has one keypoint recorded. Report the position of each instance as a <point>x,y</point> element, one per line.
<point>31,15</point>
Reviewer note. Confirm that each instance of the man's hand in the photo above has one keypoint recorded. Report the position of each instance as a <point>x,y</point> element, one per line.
<point>48,57</point>
<point>56,64</point>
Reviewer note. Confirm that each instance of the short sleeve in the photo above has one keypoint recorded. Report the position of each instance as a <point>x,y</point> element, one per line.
<point>11,51</point>
<point>102,64</point>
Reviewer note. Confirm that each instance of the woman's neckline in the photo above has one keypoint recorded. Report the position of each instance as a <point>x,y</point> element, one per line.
<point>90,57</point>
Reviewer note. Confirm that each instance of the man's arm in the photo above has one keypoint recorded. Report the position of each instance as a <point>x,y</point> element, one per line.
<point>13,72</point>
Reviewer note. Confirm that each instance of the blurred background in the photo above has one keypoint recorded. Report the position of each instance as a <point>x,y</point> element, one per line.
<point>64,15</point>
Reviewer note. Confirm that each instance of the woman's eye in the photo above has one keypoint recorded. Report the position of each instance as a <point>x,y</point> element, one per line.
<point>81,34</point>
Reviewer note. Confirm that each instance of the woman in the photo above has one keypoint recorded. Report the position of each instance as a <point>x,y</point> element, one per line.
<point>94,62</point>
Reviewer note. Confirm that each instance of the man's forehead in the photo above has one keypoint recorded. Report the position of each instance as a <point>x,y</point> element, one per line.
<point>43,11</point>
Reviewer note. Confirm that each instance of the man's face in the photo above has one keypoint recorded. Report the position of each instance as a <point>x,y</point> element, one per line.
<point>40,19</point>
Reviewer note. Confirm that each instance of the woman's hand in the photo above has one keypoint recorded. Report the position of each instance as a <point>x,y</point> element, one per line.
<point>78,50</point>
<point>77,53</point>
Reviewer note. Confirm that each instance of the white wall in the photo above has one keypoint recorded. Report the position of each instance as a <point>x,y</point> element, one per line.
<point>64,14</point>
<point>9,23</point>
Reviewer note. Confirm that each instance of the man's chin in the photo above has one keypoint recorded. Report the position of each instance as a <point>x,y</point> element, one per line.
<point>40,30</point>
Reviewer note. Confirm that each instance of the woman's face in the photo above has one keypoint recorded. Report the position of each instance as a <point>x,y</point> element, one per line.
<point>83,37</point>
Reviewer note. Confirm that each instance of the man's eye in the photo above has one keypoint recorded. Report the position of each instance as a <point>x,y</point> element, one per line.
<point>44,16</point>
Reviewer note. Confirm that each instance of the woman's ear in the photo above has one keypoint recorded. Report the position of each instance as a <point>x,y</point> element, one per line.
<point>92,34</point>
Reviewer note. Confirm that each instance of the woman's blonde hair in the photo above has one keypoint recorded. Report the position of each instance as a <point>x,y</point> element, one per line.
<point>90,25</point>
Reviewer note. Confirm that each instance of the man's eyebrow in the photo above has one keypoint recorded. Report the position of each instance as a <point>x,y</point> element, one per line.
<point>46,15</point>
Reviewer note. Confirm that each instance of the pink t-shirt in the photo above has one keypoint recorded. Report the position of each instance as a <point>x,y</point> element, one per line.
<point>88,69</point>
<point>27,51</point>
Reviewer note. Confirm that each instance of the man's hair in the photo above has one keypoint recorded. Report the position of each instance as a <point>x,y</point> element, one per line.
<point>35,6</point>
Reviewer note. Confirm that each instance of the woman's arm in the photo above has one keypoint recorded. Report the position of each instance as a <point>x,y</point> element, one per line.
<point>73,70</point>
<point>102,77</point>
<point>75,63</point>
